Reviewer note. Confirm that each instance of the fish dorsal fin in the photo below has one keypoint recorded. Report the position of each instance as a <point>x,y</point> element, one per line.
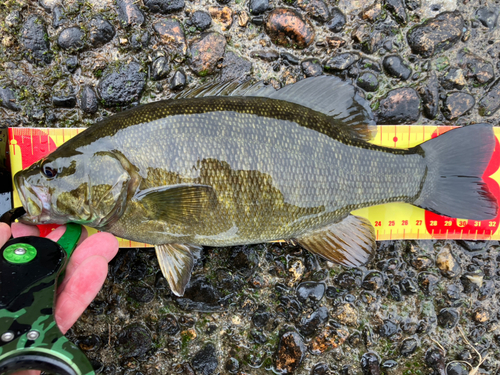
<point>228,88</point>
<point>177,204</point>
<point>176,263</point>
<point>350,242</point>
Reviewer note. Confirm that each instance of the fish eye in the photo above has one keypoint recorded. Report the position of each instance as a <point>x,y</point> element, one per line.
<point>49,171</point>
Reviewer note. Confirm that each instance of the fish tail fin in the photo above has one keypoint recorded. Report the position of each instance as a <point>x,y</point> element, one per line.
<point>453,185</point>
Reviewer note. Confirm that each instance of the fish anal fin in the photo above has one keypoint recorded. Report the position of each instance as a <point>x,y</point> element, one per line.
<point>176,263</point>
<point>350,242</point>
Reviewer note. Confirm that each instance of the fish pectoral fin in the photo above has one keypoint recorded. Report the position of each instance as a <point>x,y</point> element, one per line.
<point>176,263</point>
<point>179,204</point>
<point>350,242</point>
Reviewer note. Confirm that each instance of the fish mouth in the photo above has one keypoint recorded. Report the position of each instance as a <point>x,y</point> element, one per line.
<point>32,199</point>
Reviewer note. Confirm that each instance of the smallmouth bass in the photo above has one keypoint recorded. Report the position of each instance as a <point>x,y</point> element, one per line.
<point>252,165</point>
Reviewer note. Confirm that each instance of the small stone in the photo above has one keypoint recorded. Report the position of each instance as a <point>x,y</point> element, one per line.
<point>453,292</point>
<point>160,68</point>
<point>232,365</point>
<point>35,41</point>
<point>13,19</point>
<point>455,368</point>
<point>89,343</point>
<point>129,13</point>
<point>317,9</point>
<point>436,34</point>
<point>168,325</point>
<point>321,369</point>
<point>290,353</point>
<point>373,12</point>
<point>133,341</point>
<point>139,40</point>
<point>171,35</point>
<point>335,42</point>
<point>388,329</point>
<point>8,100</point>
<point>201,20</point>
<point>223,16</point>
<point>395,291</point>
<point>337,21</point>
<point>408,347</point>
<point>395,67</point>
<point>341,62</point>
<point>422,262</point>
<point>427,282</point>
<point>447,263</point>
<point>310,291</point>
<point>397,10</point>
<point>260,319</point>
<point>206,52</point>
<point>329,338</point>
<point>88,100</point>
<point>243,18</point>
<point>481,315</point>
<point>235,68</point>
<point>311,324</point>
<point>71,38</point>
<point>141,294</point>
<point>58,17</point>
<point>72,64</point>
<point>258,20</point>
<point>200,296</point>
<point>448,318</point>
<point>472,281</point>
<point>269,55</point>
<point>64,101</point>
<point>258,6</point>
<point>487,17</point>
<point>123,86</point>
<point>346,313</point>
<point>101,31</point>
<point>453,79</point>
<point>476,67</point>
<point>287,27</point>
<point>205,361</point>
<point>49,5</point>
<point>373,281</point>
<point>490,103</point>
<point>164,6</point>
<point>370,364</point>
<point>435,359</point>
<point>430,97</point>
<point>346,280</point>
<point>408,286</point>
<point>389,365</point>
<point>400,106</point>
<point>178,81</point>
<point>457,104</point>
<point>311,67</point>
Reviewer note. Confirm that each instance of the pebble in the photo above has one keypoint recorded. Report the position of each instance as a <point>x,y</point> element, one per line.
<point>13,19</point>
<point>346,280</point>
<point>457,104</point>
<point>408,347</point>
<point>436,34</point>
<point>123,86</point>
<point>291,351</point>
<point>487,17</point>
<point>408,286</point>
<point>310,291</point>
<point>201,20</point>
<point>337,21</point>
<point>479,69</point>
<point>397,10</point>
<point>311,67</point>
<point>373,281</point>
<point>427,282</point>
<point>88,100</point>
<point>368,81</point>
<point>268,55</point>
<point>178,81</point>
<point>490,102</point>
<point>160,68</point>
<point>400,106</point>
<point>317,9</point>
<point>72,64</point>
<point>71,38</point>
<point>68,101</point>
<point>435,359</point>
<point>58,16</point>
<point>345,313</point>
<point>481,315</point>
<point>232,365</point>
<point>129,13</point>
<point>168,325</point>
<point>133,341</point>
<point>8,100</point>
<point>372,12</point>
<point>223,16</point>
<point>341,61</point>
<point>258,6</point>
<point>448,318</point>
<point>321,369</point>
<point>472,281</point>
<point>205,361</point>
<point>139,40</point>
<point>430,96</point>
<point>370,364</point>
<point>286,27</point>
<point>395,67</point>
<point>164,6</point>
<point>453,292</point>
<point>455,368</point>
<point>171,35</point>
<point>389,365</point>
<point>101,31</point>
<point>447,263</point>
<point>206,52</point>
<point>261,318</point>
<point>329,338</point>
<point>388,329</point>
<point>141,294</point>
<point>35,41</point>
<point>453,79</point>
<point>89,343</point>
<point>309,325</point>
<point>235,67</point>
<point>200,296</point>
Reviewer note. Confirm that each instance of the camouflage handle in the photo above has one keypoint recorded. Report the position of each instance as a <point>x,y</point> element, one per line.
<point>29,336</point>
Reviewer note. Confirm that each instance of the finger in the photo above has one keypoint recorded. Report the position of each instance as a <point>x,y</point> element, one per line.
<point>57,233</point>
<point>21,230</point>
<point>27,372</point>
<point>83,236</point>
<point>102,244</point>
<point>81,289</point>
<point>4,233</point>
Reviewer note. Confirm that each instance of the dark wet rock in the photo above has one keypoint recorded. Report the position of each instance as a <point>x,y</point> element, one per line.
<point>487,290</point>
<point>321,369</point>
<point>35,41</point>
<point>67,101</point>
<point>487,17</point>
<point>235,67</point>
<point>232,365</point>
<point>201,20</point>
<point>457,104</point>
<point>72,64</point>
<point>171,35</point>
<point>139,40</point>
<point>370,364</point>
<point>311,324</point>
<point>8,100</point>
<point>421,262</point>
<point>258,20</point>
<point>160,68</point>
<point>436,34</point>
<point>49,5</point>
<point>395,292</point>
<point>310,291</point>
<point>408,347</point>
<point>205,361</point>
<point>400,106</point>
<point>89,343</point>
<point>490,102</point>
<point>453,292</point>
<point>101,31</point>
<point>345,313</point>
<point>133,341</point>
<point>200,296</point>
<point>472,281</point>
<point>435,359</point>
<point>311,67</point>
<point>267,55</point>
<point>261,318</point>
<point>88,100</point>
<point>373,281</point>
<point>453,79</point>
<point>479,69</point>
<point>290,353</point>
<point>258,6</point>
<point>368,81</point>
<point>337,21</point>
<point>430,96</point>
<point>341,62</point>
<point>123,86</point>
<point>389,365</point>
<point>395,67</point>
<point>346,280</point>
<point>408,286</point>
<point>388,329</point>
<point>448,318</point>
<point>223,16</point>
<point>178,81</point>
<point>456,368</point>
<point>13,19</point>
<point>141,294</point>
<point>334,42</point>
<point>168,325</point>
<point>129,13</point>
<point>397,10</point>
<point>474,245</point>
<point>427,282</point>
<point>317,9</point>
<point>206,52</point>
<point>286,27</point>
<point>164,6</point>
<point>71,38</point>
<point>58,16</point>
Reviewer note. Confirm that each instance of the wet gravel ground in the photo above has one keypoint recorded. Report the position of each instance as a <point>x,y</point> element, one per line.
<point>273,308</point>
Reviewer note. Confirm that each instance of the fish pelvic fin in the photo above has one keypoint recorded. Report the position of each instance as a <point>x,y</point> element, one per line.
<point>350,242</point>
<point>453,185</point>
<point>176,263</point>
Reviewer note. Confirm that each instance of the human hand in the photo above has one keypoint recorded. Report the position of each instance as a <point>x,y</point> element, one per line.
<point>85,273</point>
